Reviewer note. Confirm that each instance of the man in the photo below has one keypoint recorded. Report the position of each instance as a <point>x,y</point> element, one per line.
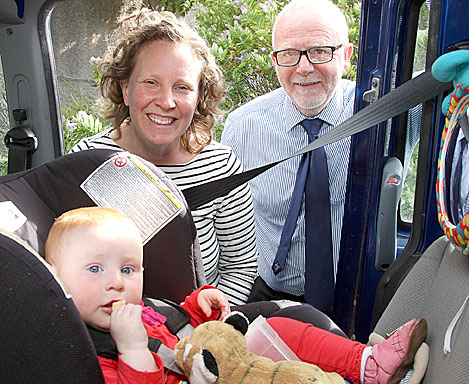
<point>311,53</point>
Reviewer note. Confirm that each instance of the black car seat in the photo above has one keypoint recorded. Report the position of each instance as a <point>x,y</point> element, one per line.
<point>172,261</point>
<point>44,339</point>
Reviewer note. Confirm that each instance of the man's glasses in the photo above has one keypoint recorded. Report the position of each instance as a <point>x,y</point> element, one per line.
<point>315,55</point>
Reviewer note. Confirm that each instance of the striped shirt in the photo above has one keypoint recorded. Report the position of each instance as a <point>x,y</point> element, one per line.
<point>266,130</point>
<point>225,226</point>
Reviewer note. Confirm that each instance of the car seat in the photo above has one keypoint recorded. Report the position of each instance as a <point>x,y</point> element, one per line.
<point>172,260</point>
<point>44,338</point>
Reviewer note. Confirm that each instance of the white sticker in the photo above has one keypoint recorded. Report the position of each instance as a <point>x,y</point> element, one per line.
<point>128,186</point>
<point>11,218</point>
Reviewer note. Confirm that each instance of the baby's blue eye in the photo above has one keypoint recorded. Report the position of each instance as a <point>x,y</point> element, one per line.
<point>126,270</point>
<point>95,269</point>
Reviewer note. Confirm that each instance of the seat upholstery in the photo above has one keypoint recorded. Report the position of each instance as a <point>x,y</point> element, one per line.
<point>172,260</point>
<point>44,339</point>
<point>436,289</point>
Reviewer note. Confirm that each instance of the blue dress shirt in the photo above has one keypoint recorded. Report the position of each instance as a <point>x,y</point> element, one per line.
<point>265,130</point>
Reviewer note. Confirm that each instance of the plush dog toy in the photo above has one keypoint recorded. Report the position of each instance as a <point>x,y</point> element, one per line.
<point>217,353</point>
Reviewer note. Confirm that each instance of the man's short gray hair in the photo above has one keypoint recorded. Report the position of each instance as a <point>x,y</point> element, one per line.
<point>325,7</point>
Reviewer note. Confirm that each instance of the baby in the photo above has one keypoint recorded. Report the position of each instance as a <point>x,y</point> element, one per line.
<point>97,253</point>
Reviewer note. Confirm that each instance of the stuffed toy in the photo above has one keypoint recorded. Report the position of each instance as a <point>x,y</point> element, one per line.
<point>217,353</point>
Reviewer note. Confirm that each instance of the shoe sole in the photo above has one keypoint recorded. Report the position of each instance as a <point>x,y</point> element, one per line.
<point>416,339</point>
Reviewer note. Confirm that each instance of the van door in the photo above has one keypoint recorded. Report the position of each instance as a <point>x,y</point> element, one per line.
<point>392,36</point>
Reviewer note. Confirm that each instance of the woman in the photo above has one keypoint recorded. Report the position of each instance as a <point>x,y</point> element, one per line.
<point>161,87</point>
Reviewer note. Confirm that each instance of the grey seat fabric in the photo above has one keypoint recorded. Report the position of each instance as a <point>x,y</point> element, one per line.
<point>436,289</point>
<point>172,261</point>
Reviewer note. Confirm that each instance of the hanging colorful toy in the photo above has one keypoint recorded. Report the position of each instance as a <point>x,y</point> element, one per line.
<point>452,66</point>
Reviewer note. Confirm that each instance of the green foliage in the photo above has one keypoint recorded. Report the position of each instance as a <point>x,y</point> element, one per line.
<point>242,47</point>
<point>80,118</point>
<point>180,7</point>
<point>3,165</point>
<point>95,62</point>
<point>80,125</point>
<point>422,39</point>
<point>352,12</point>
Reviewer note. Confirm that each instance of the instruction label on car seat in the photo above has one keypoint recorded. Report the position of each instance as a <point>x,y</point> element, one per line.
<point>128,186</point>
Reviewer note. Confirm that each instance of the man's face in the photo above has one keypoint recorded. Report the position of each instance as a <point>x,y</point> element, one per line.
<point>310,86</point>
<point>99,266</point>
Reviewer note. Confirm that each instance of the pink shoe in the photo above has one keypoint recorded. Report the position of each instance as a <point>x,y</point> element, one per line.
<point>392,358</point>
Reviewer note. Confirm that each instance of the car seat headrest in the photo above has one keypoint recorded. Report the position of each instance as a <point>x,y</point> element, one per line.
<point>452,66</point>
<point>172,262</point>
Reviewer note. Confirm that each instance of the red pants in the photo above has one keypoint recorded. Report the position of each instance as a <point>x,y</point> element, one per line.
<point>330,352</point>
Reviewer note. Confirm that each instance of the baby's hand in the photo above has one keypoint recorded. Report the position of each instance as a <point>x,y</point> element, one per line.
<point>213,299</point>
<point>131,337</point>
<point>127,329</point>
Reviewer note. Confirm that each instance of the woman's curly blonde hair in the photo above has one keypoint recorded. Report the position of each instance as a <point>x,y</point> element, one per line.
<point>135,29</point>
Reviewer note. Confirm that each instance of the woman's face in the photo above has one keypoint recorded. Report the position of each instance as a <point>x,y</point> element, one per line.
<point>162,94</point>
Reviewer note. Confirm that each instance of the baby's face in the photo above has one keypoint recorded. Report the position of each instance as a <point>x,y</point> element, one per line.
<point>99,266</point>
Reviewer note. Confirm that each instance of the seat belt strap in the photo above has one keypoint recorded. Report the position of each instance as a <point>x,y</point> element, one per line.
<point>168,357</point>
<point>178,323</point>
<point>177,318</point>
<point>401,99</point>
<point>17,158</point>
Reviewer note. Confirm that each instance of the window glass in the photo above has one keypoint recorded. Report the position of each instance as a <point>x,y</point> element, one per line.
<point>414,120</point>
<point>78,47</point>
<point>4,123</point>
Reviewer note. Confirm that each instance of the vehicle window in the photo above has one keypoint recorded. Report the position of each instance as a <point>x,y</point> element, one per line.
<point>77,51</point>
<point>4,124</point>
<point>413,122</point>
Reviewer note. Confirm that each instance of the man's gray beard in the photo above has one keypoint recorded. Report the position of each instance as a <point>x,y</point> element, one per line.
<point>309,104</point>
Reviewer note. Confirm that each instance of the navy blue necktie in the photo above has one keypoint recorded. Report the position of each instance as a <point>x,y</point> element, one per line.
<point>455,203</point>
<point>312,180</point>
